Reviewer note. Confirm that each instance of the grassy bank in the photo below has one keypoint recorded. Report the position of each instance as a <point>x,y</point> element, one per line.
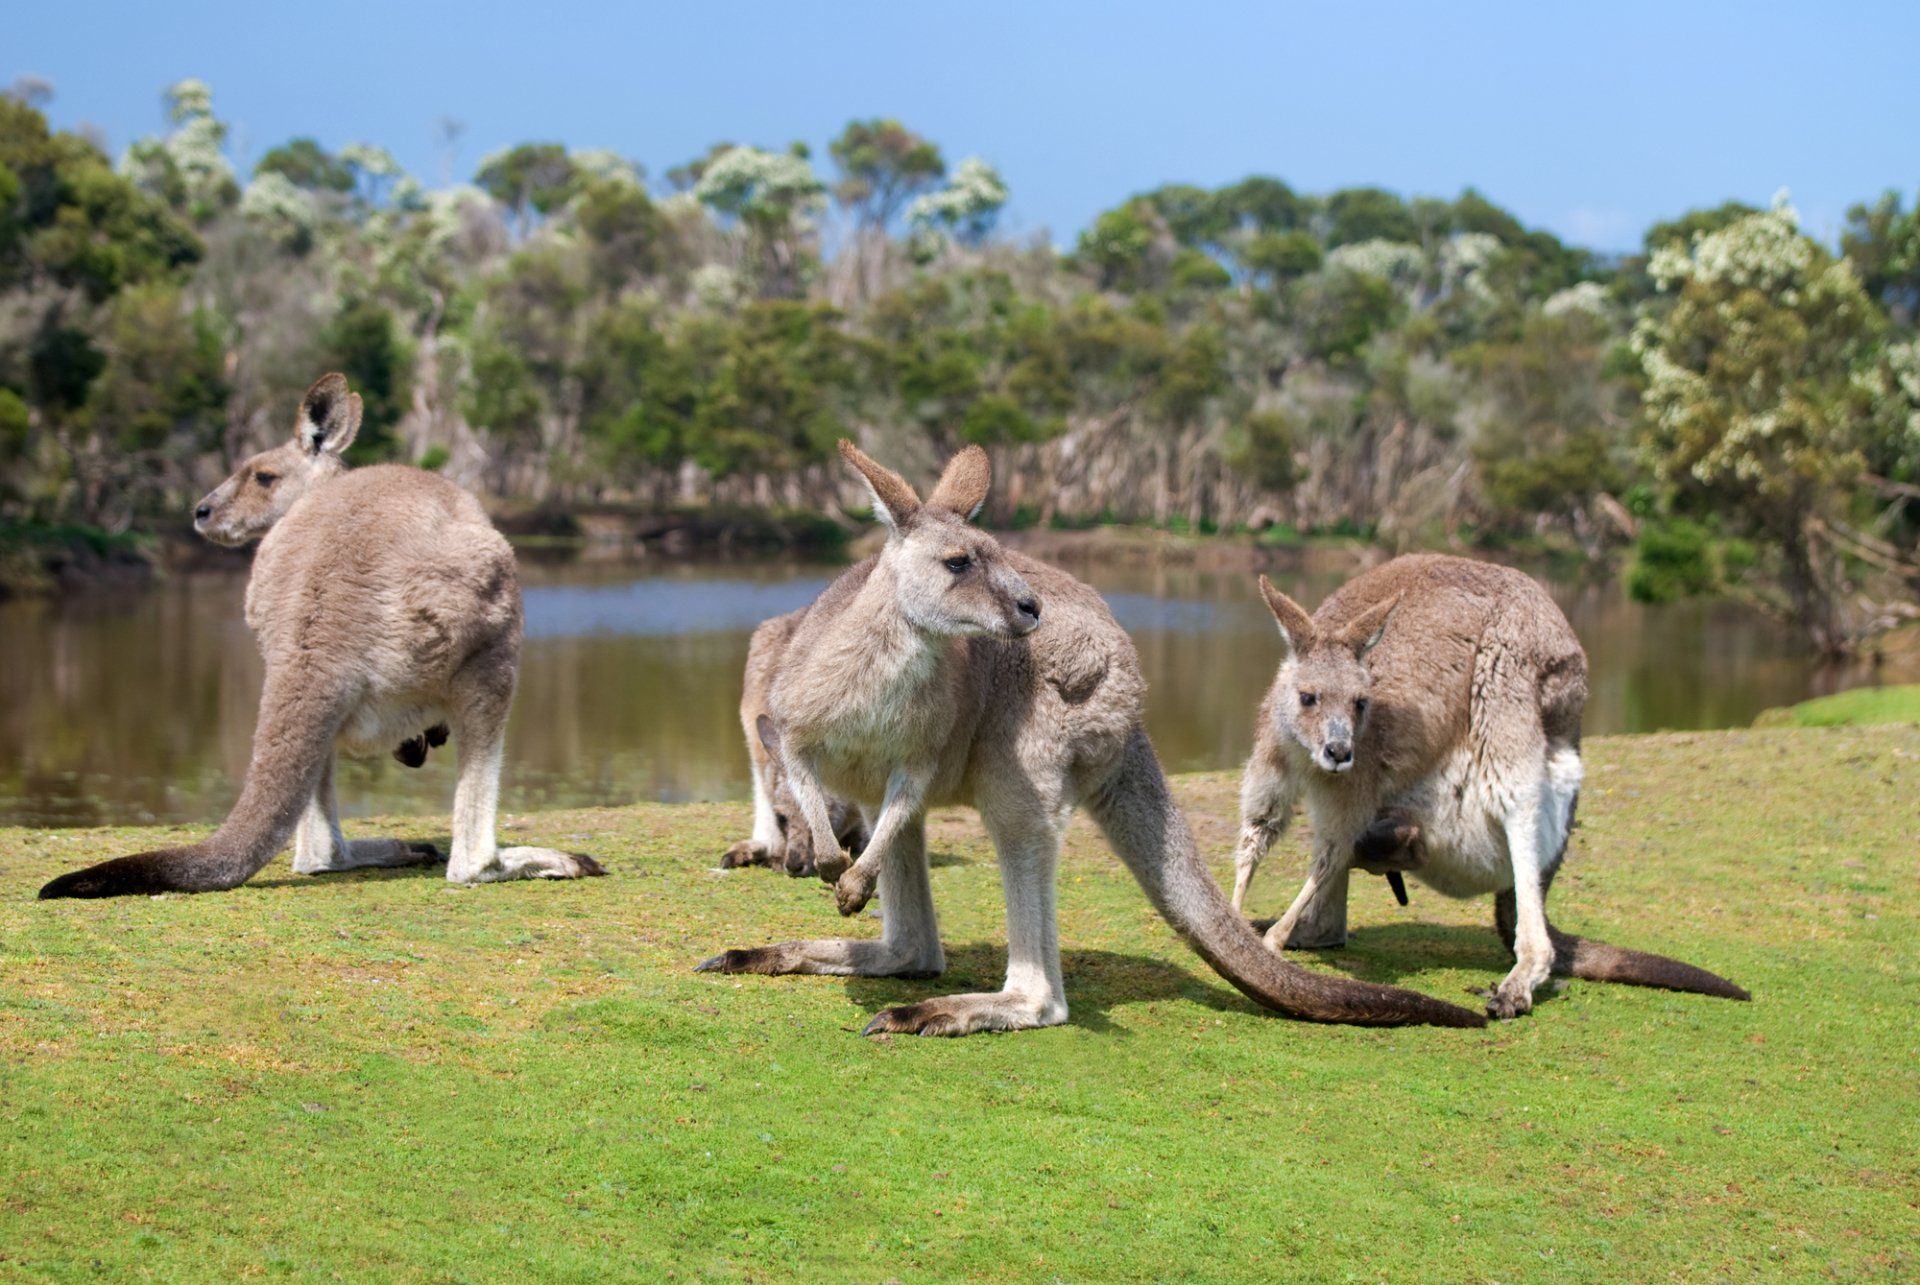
<point>378,1075</point>
<point>1861,707</point>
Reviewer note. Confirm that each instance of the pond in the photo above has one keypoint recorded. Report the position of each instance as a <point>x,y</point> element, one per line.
<point>138,708</point>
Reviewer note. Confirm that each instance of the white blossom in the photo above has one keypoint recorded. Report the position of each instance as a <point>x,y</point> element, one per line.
<point>756,184</point>
<point>1588,297</point>
<point>966,206</point>
<point>1393,261</point>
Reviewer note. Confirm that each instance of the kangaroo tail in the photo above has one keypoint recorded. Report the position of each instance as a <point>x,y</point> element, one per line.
<point>1596,961</point>
<point>291,744</point>
<point>1136,810</point>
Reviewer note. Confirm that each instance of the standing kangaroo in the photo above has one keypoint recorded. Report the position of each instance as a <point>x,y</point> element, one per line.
<point>1430,712</point>
<point>385,603</point>
<point>924,675</point>
<point>780,834</point>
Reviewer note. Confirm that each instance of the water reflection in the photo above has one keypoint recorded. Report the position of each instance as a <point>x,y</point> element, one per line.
<point>140,707</point>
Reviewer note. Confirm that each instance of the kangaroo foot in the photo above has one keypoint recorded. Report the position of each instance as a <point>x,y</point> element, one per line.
<point>413,752</point>
<point>1504,1003</point>
<point>951,1015</point>
<point>744,853</point>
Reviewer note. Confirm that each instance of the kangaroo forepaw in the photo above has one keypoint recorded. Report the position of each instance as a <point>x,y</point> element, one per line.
<point>854,889</point>
<point>831,865</point>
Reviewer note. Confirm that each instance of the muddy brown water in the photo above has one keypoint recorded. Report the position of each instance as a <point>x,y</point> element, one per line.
<point>138,707</point>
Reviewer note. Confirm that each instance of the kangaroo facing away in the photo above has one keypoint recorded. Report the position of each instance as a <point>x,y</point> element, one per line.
<point>385,605</point>
<point>1430,714</point>
<point>928,674</point>
<point>780,834</point>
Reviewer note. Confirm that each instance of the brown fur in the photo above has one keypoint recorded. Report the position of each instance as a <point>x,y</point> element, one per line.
<point>950,670</point>
<point>384,602</point>
<point>1430,714</point>
<point>781,837</point>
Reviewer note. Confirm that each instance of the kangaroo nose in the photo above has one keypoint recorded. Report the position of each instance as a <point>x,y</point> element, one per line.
<point>1029,607</point>
<point>1339,752</point>
<point>202,513</point>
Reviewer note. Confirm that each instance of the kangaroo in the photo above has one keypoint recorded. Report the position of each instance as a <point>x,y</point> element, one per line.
<point>384,602</point>
<point>780,834</point>
<point>926,675</point>
<point>1430,714</point>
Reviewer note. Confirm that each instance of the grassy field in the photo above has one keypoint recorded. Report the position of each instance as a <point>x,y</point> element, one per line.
<point>381,1076</point>
<point>1861,707</point>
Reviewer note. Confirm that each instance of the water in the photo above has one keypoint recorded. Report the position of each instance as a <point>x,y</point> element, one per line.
<point>139,708</point>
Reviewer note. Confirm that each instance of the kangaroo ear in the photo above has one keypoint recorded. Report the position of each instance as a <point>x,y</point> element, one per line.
<point>1364,632</point>
<point>963,487</point>
<point>769,734</point>
<point>894,502</point>
<point>329,416</point>
<point>1296,626</point>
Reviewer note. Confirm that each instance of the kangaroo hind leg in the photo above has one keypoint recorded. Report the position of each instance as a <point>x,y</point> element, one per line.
<point>909,943</point>
<point>1538,822</point>
<point>483,693</point>
<point>320,848</point>
<point>1035,992</point>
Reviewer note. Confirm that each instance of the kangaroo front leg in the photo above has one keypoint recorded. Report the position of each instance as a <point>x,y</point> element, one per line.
<point>480,728</point>
<point>810,838</point>
<point>1266,806</point>
<point>1035,993</point>
<point>909,944</point>
<point>1532,942</point>
<point>1317,919</point>
<point>320,848</point>
<point>905,794</point>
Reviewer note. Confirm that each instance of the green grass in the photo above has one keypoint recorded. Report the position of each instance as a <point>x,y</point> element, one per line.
<point>1861,707</point>
<point>380,1076</point>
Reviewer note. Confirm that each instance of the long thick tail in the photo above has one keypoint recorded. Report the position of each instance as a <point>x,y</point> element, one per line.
<point>1136,809</point>
<point>1598,962</point>
<point>291,742</point>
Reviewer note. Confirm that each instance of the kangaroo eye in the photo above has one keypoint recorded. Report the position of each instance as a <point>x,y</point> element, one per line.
<point>1360,706</point>
<point>958,563</point>
<point>1308,700</point>
<point>266,479</point>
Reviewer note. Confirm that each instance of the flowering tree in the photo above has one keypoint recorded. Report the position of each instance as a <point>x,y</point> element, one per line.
<point>1767,390</point>
<point>774,196</point>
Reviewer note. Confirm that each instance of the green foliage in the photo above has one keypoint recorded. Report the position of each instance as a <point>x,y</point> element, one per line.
<point>530,179</point>
<point>434,458</point>
<point>306,164</point>
<point>1673,559</point>
<point>1264,449</point>
<point>1763,402</point>
<point>363,343</point>
<point>1282,256</point>
<point>883,165</point>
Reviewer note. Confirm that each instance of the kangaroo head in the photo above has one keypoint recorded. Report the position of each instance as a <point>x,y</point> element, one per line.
<point>952,578</point>
<point>245,506</point>
<point>1326,686</point>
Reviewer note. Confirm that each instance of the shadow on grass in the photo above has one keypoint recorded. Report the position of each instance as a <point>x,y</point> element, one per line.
<point>1097,982</point>
<point>431,869</point>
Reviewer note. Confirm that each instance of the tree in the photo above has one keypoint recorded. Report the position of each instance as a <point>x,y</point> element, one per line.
<point>305,164</point>
<point>1765,394</point>
<point>186,167</point>
<point>966,207</point>
<point>532,179</point>
<point>773,196</point>
<point>882,165</point>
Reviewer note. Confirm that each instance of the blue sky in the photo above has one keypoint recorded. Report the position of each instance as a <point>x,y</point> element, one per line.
<point>1589,120</point>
